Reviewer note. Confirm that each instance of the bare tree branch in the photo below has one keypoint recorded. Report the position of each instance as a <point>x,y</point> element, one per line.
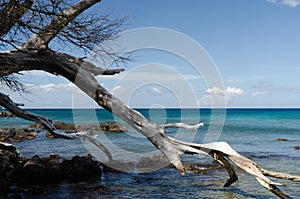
<point>183,125</point>
<point>12,13</point>
<point>7,103</point>
<point>45,35</point>
<point>35,54</point>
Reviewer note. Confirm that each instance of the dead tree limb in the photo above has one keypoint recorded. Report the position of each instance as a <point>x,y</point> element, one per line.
<point>35,54</point>
<point>183,125</point>
<point>7,103</point>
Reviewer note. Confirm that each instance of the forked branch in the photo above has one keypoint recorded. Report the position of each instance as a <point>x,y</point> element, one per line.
<point>14,108</point>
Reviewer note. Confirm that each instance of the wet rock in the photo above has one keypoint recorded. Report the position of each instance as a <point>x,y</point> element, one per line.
<point>80,169</point>
<point>8,161</point>
<point>23,171</point>
<point>116,166</point>
<point>297,147</point>
<point>4,186</point>
<point>37,126</point>
<point>37,171</point>
<point>64,126</point>
<point>113,127</point>
<point>16,135</point>
<point>282,139</point>
<point>31,173</point>
<point>49,135</point>
<point>105,126</point>
<point>201,168</point>
<point>152,163</point>
<point>6,114</point>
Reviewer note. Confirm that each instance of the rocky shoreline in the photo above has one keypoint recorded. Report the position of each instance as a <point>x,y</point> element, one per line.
<point>20,171</point>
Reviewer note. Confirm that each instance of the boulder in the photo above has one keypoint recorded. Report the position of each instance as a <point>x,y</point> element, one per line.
<point>113,127</point>
<point>80,169</point>
<point>16,135</point>
<point>37,126</point>
<point>8,161</point>
<point>6,114</point>
<point>282,139</point>
<point>297,147</point>
<point>147,164</point>
<point>116,166</point>
<point>64,126</point>
<point>105,126</point>
<point>37,171</point>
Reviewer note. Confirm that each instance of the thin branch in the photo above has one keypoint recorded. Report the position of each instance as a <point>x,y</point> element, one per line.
<point>45,35</point>
<point>7,103</point>
<point>11,14</point>
<point>183,125</point>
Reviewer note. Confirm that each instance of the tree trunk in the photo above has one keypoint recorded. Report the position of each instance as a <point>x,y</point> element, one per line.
<point>35,55</point>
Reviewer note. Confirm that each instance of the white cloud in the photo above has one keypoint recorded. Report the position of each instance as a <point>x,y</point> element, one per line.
<point>228,91</point>
<point>218,97</point>
<point>291,3</point>
<point>215,91</point>
<point>68,87</point>
<point>234,91</point>
<point>156,91</point>
<point>254,94</point>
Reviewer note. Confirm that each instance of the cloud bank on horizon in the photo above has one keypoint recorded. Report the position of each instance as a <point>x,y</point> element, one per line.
<point>291,3</point>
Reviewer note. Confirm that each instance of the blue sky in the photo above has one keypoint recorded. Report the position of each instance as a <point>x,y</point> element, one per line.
<point>255,46</point>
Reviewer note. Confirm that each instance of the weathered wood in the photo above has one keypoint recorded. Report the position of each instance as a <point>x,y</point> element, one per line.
<point>36,55</point>
<point>183,125</point>
<point>7,103</point>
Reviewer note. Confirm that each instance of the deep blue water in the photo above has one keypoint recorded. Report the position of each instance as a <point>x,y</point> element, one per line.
<point>252,132</point>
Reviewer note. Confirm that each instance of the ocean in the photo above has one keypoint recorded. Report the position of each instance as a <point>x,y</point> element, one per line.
<point>251,132</point>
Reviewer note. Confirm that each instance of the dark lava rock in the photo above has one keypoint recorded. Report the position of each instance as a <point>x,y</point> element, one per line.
<point>64,126</point>
<point>23,171</point>
<point>8,161</point>
<point>147,164</point>
<point>113,127</point>
<point>80,169</point>
<point>16,135</point>
<point>116,166</point>
<point>6,114</point>
<point>105,126</point>
<point>282,139</point>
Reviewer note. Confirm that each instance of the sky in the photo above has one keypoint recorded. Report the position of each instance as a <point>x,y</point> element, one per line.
<point>198,51</point>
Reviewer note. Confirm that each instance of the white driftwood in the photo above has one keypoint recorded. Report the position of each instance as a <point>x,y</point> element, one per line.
<point>36,55</point>
<point>183,125</point>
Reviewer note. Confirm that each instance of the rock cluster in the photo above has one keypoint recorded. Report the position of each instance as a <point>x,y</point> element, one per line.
<point>16,135</point>
<point>39,171</point>
<point>106,126</point>
<point>6,114</point>
<point>145,164</point>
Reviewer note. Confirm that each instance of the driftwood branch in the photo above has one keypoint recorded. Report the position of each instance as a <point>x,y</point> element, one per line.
<point>170,147</point>
<point>35,55</point>
<point>183,125</point>
<point>7,103</point>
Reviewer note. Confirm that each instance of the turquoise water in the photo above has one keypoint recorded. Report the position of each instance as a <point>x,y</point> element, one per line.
<point>252,132</point>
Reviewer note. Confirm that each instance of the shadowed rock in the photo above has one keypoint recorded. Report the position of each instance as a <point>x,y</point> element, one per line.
<point>80,169</point>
